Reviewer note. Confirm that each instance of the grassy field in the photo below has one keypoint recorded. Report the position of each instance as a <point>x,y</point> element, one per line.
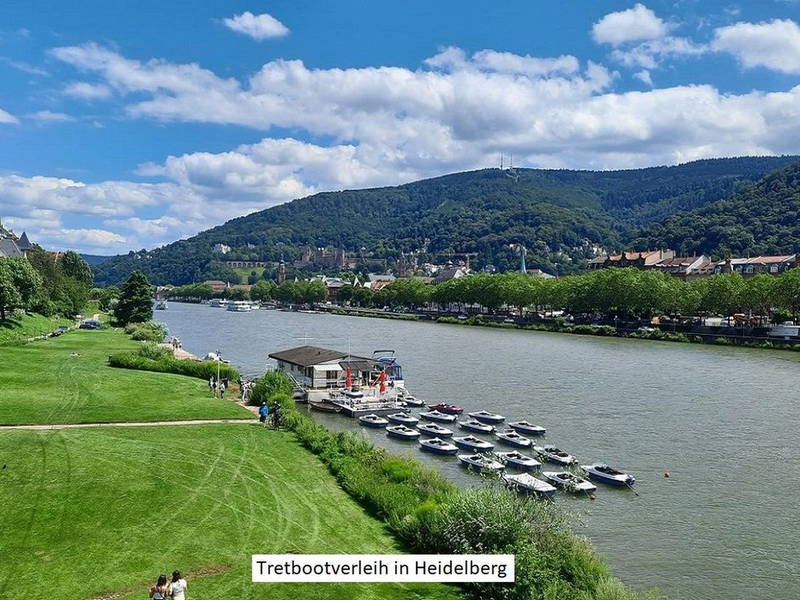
<point>22,327</point>
<point>90,512</point>
<point>42,382</point>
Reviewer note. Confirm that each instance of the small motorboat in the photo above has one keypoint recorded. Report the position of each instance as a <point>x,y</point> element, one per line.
<point>403,418</point>
<point>527,428</point>
<point>470,442</point>
<point>553,454</point>
<point>435,430</point>
<point>435,415</point>
<point>438,446</point>
<point>412,401</point>
<point>517,460</point>
<point>402,432</point>
<point>605,474</point>
<point>324,406</point>
<point>481,463</point>
<point>476,426</point>
<point>373,421</point>
<point>570,482</point>
<point>487,417</point>
<point>511,437</point>
<point>527,483</point>
<point>450,409</point>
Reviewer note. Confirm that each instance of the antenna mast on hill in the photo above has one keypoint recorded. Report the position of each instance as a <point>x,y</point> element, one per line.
<point>501,161</point>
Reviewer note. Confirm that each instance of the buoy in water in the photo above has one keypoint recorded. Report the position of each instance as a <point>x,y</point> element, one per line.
<point>666,474</point>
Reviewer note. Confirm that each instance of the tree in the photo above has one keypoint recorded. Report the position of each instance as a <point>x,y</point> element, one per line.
<point>74,267</point>
<point>20,284</point>
<point>135,303</point>
<point>263,290</point>
<point>313,291</point>
<point>787,290</point>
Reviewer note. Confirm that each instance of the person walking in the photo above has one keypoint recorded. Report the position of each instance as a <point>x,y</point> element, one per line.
<point>263,413</point>
<point>276,417</point>
<point>177,587</point>
<point>221,390</point>
<point>211,384</point>
<point>160,590</point>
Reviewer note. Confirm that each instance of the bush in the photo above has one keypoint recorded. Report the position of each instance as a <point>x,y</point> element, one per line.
<point>190,368</point>
<point>149,331</point>
<point>154,351</point>
<point>269,385</point>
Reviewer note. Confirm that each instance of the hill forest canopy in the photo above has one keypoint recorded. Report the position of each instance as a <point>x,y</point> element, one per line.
<point>562,217</point>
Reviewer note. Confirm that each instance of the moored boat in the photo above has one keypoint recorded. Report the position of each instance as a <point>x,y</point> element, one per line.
<point>603,473</point>
<point>481,463</point>
<point>450,409</point>
<point>324,406</point>
<point>527,483</point>
<point>403,418</point>
<point>435,415</point>
<point>511,437</point>
<point>527,428</point>
<point>373,421</point>
<point>412,401</point>
<point>477,426</point>
<point>569,482</point>
<point>553,454</point>
<point>435,430</point>
<point>487,417</point>
<point>402,432</point>
<point>470,442</point>
<point>517,460</point>
<point>239,306</point>
<point>438,446</point>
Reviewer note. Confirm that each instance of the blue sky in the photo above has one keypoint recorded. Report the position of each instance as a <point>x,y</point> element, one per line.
<point>129,125</point>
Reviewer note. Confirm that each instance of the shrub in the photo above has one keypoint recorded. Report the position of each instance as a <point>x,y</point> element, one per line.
<point>269,385</point>
<point>154,352</point>
<point>149,331</point>
<point>190,368</point>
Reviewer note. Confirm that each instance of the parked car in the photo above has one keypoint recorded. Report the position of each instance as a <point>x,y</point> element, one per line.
<point>91,325</point>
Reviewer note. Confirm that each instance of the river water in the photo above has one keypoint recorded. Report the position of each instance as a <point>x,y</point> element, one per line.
<point>722,421</point>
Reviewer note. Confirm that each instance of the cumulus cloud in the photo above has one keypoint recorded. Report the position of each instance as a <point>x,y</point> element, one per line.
<point>48,116</point>
<point>6,117</point>
<point>88,91</point>
<point>644,76</point>
<point>632,25</point>
<point>259,27</point>
<point>774,45</point>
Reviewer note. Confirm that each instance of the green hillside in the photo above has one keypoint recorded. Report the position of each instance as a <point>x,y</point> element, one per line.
<point>557,214</point>
<point>761,219</point>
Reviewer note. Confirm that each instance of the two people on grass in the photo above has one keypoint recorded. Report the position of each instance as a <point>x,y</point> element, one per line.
<point>270,414</point>
<point>175,589</point>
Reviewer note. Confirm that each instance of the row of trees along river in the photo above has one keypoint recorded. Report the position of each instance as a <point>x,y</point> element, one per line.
<point>618,292</point>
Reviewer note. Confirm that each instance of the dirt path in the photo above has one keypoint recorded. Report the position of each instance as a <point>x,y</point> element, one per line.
<point>126,424</point>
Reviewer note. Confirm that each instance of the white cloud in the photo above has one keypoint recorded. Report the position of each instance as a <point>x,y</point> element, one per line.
<point>259,27</point>
<point>774,45</point>
<point>632,25</point>
<point>6,117</point>
<point>651,54</point>
<point>49,116</point>
<point>644,76</point>
<point>88,91</point>
<point>24,67</point>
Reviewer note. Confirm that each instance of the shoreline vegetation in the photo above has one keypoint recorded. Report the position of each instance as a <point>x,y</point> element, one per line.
<point>430,515</point>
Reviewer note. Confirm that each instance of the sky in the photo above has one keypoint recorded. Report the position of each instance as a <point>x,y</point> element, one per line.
<point>128,125</point>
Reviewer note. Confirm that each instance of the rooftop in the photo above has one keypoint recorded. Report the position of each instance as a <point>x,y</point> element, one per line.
<point>308,356</point>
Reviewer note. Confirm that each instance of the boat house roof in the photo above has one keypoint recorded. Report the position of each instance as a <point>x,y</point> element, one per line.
<point>308,356</point>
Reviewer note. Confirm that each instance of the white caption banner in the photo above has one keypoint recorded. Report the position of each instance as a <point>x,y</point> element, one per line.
<point>369,568</point>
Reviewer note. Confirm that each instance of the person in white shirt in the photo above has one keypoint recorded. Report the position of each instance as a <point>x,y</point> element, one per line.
<point>177,587</point>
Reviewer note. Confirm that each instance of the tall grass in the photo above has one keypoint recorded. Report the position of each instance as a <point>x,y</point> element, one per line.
<point>431,515</point>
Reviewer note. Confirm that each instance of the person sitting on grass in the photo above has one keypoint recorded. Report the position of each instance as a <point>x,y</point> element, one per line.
<point>263,413</point>
<point>177,587</point>
<point>160,590</point>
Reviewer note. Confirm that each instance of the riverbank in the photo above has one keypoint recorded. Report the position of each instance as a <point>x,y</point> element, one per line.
<point>105,509</point>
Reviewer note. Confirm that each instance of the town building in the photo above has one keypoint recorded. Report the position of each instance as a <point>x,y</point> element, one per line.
<point>686,268</point>
<point>246,264</point>
<point>216,285</point>
<point>750,267</point>
<point>448,273</point>
<point>221,249</point>
<point>12,246</point>
<point>639,260</point>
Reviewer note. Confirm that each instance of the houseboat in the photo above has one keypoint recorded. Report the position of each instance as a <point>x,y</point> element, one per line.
<point>358,385</point>
<point>217,303</point>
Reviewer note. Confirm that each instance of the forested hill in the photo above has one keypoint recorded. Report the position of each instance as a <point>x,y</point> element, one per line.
<point>557,214</point>
<point>764,218</point>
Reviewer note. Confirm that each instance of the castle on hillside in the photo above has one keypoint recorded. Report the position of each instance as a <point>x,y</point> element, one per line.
<point>12,246</point>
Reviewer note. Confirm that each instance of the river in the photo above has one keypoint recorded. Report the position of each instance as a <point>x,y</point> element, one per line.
<point>722,421</point>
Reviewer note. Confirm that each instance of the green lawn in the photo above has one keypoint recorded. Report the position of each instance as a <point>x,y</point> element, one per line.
<point>22,327</point>
<point>92,511</point>
<point>42,382</point>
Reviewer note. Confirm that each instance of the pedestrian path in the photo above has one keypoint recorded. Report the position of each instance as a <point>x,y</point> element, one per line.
<point>125,424</point>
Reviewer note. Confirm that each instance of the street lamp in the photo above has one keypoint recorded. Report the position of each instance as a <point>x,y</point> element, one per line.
<point>219,358</point>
